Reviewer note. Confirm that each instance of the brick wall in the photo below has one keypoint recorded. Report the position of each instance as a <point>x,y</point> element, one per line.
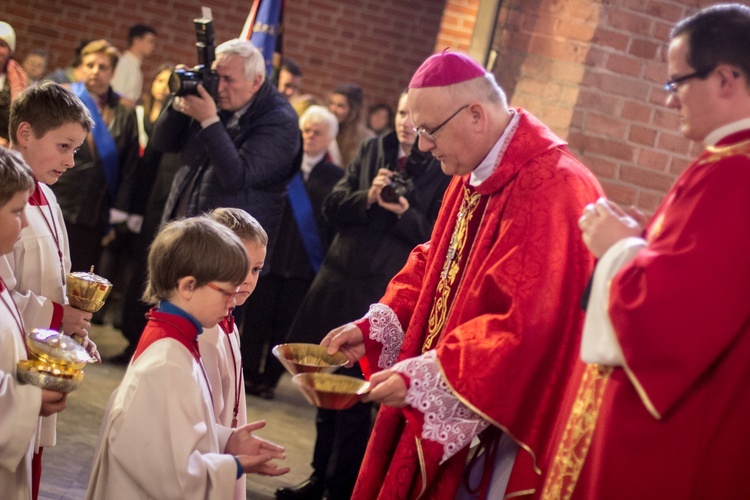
<point>457,25</point>
<point>375,43</point>
<point>594,72</point>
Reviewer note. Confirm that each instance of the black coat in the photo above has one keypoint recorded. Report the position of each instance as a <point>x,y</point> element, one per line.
<point>371,244</point>
<point>247,167</point>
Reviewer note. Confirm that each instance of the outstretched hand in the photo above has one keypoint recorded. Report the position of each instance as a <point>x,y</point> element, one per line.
<point>255,454</point>
<point>347,339</point>
<point>387,387</point>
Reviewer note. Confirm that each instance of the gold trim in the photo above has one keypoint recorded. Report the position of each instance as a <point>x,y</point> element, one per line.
<point>422,466</point>
<point>575,441</point>
<point>520,493</point>
<point>489,419</point>
<point>641,392</point>
<point>717,153</point>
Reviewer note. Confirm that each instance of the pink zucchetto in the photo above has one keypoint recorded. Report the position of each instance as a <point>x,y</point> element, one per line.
<point>446,68</point>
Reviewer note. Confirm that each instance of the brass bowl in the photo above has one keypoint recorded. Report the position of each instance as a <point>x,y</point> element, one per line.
<point>330,391</point>
<point>87,291</point>
<point>308,358</point>
<point>48,375</point>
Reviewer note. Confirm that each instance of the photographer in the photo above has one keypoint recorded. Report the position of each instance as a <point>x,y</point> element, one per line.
<point>240,148</point>
<point>373,240</point>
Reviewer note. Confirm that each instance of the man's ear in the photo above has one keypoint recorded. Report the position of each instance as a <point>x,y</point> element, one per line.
<point>730,79</point>
<point>24,134</point>
<point>257,82</point>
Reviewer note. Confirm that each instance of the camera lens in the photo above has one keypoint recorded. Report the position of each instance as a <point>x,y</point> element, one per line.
<point>183,82</point>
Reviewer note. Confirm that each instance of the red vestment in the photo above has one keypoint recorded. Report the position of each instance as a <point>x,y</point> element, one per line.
<point>511,331</point>
<point>673,421</point>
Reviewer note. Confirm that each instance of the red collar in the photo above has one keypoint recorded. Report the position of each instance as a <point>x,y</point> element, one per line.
<point>37,198</point>
<point>164,325</point>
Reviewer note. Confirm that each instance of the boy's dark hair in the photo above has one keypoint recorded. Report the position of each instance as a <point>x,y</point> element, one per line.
<point>197,247</point>
<point>139,31</point>
<point>719,34</point>
<point>15,175</point>
<point>244,225</point>
<point>45,107</point>
<point>291,66</point>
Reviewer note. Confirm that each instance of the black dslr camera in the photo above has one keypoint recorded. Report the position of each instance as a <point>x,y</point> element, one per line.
<point>399,185</point>
<point>186,81</point>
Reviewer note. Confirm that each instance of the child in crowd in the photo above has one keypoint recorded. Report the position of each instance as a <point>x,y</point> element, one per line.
<point>21,404</point>
<point>159,438</point>
<point>220,346</point>
<point>47,124</point>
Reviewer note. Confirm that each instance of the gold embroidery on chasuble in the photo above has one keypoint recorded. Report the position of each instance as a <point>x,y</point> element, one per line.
<point>717,153</point>
<point>452,270</point>
<point>579,430</point>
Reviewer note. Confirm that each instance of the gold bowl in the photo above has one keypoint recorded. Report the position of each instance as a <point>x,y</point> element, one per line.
<point>87,291</point>
<point>55,361</point>
<point>331,391</point>
<point>308,358</point>
<point>49,376</point>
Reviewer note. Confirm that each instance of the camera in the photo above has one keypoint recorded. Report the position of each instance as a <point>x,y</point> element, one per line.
<point>185,81</point>
<point>399,185</point>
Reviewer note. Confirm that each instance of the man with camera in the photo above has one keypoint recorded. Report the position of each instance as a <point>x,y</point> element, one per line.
<point>241,146</point>
<point>374,234</point>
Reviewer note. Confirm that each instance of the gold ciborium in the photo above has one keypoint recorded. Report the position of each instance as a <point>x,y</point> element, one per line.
<point>87,291</point>
<point>308,358</point>
<point>55,361</point>
<point>331,391</point>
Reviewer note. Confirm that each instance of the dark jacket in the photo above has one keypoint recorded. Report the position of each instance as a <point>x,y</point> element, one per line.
<point>82,191</point>
<point>247,167</point>
<point>289,258</point>
<point>371,244</point>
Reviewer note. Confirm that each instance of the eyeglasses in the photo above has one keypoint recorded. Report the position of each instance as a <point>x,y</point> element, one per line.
<point>228,296</point>
<point>673,85</point>
<point>430,134</point>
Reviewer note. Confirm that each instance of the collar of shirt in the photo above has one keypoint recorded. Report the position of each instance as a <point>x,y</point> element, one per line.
<point>308,162</point>
<point>235,118</point>
<point>722,132</point>
<point>169,308</point>
<point>487,166</point>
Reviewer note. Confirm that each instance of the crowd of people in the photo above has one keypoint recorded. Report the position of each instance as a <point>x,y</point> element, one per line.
<point>522,334</point>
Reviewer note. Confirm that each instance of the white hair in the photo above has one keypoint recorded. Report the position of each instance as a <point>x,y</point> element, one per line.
<point>483,89</point>
<point>315,115</point>
<point>254,63</point>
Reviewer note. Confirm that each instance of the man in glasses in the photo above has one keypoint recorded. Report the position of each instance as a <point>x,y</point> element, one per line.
<point>666,343</point>
<point>477,334</point>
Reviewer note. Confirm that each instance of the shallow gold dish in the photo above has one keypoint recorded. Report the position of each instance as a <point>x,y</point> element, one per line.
<point>87,291</point>
<point>330,391</point>
<point>49,376</point>
<point>308,358</point>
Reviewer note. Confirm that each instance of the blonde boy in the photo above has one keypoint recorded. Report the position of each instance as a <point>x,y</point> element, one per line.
<point>159,438</point>
<point>220,346</point>
<point>21,404</point>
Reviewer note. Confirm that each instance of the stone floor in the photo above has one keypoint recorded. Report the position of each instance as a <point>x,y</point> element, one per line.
<point>290,422</point>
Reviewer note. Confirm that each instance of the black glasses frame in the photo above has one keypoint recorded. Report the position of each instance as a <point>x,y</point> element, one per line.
<point>673,85</point>
<point>430,134</point>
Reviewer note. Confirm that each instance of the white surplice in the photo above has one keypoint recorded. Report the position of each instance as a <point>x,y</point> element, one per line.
<point>19,409</point>
<point>223,362</point>
<point>159,438</point>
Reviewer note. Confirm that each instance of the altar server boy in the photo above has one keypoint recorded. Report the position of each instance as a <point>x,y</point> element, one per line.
<point>20,405</point>
<point>47,125</point>
<point>220,345</point>
<point>159,437</point>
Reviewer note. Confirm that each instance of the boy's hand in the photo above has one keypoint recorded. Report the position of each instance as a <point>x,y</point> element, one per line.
<point>52,402</point>
<point>255,453</point>
<point>76,321</point>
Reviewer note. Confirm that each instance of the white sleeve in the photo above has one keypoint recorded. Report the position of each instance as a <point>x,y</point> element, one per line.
<point>599,343</point>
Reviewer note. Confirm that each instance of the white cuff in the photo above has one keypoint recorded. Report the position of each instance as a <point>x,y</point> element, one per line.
<point>599,343</point>
<point>209,121</point>
<point>117,216</point>
<point>135,223</point>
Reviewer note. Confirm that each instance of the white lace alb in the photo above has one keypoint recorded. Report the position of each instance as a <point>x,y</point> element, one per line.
<point>386,329</point>
<point>447,421</point>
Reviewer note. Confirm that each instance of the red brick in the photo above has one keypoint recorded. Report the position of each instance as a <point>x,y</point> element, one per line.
<point>604,125</point>
<point>645,49</point>
<point>642,135</point>
<point>618,192</point>
<point>625,65</point>
<point>636,111</point>
<point>674,143</point>
<point>678,165</point>
<point>654,160</point>
<point>648,201</point>
<point>646,178</point>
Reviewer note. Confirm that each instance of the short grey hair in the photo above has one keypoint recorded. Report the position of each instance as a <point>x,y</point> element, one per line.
<point>482,89</point>
<point>315,115</point>
<point>254,63</point>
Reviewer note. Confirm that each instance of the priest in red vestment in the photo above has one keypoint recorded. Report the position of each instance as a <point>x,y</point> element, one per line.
<point>660,408</point>
<point>477,334</point>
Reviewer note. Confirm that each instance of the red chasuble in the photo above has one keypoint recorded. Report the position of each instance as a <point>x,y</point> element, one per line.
<point>673,423</point>
<point>506,332</point>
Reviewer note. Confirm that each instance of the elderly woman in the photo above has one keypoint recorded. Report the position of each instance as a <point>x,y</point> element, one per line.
<point>98,191</point>
<point>296,258</point>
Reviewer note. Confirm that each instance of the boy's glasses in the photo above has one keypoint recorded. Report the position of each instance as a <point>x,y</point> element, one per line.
<point>228,296</point>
